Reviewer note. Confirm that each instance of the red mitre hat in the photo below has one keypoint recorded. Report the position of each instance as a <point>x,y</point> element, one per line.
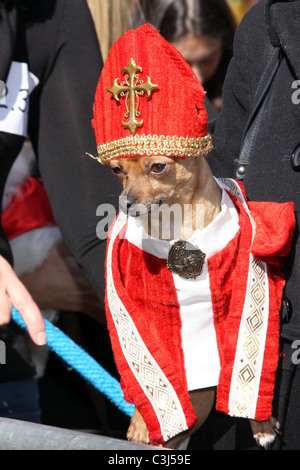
<point>149,101</point>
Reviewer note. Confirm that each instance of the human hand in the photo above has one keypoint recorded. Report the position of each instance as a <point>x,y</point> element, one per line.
<point>14,293</point>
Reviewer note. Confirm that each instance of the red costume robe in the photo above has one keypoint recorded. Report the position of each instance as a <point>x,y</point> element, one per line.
<point>145,324</point>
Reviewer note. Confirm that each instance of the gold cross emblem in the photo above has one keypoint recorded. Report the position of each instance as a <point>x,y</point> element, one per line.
<point>131,89</point>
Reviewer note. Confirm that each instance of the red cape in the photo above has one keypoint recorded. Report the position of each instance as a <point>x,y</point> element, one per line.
<point>144,321</point>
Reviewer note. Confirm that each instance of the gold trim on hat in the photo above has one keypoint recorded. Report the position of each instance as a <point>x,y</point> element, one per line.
<point>151,145</point>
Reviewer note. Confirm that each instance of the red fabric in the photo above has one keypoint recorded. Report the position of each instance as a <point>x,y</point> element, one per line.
<point>229,269</point>
<point>140,275</point>
<point>28,210</point>
<point>275,224</point>
<point>175,108</point>
<point>272,348</point>
<point>146,288</point>
<point>278,222</point>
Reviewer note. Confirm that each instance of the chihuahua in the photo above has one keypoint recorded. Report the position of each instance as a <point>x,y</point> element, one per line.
<point>148,184</point>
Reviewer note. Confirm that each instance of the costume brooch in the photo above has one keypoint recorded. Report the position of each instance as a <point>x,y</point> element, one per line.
<point>186,260</point>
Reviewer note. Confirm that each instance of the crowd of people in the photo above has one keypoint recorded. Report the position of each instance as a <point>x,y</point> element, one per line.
<point>55,51</point>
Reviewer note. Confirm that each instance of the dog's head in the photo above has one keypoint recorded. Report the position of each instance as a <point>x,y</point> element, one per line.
<point>150,182</point>
<point>150,121</point>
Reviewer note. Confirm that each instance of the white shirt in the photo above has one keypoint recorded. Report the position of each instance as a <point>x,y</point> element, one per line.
<point>199,341</point>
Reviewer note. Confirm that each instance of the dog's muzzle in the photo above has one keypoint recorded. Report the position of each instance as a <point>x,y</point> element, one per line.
<point>130,206</point>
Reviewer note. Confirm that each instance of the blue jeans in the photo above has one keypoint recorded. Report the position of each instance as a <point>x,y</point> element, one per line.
<point>20,400</point>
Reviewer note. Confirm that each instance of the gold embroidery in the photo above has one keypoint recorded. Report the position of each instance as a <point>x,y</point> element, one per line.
<point>132,88</point>
<point>150,145</point>
<point>156,386</point>
<point>249,357</point>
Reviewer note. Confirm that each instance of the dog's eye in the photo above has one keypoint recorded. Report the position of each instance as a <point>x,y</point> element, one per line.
<point>158,167</point>
<point>116,170</point>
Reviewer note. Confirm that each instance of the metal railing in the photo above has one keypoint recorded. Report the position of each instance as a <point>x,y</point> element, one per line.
<point>22,435</point>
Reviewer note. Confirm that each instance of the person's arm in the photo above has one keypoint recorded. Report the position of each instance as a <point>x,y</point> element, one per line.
<point>67,60</point>
<point>75,183</point>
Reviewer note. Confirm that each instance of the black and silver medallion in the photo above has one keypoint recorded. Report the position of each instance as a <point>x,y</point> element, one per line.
<point>185,259</point>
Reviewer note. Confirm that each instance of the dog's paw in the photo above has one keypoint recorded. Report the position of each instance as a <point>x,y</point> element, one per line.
<point>264,432</point>
<point>137,430</point>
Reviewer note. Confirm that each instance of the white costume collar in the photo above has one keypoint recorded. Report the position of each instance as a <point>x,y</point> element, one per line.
<point>210,240</point>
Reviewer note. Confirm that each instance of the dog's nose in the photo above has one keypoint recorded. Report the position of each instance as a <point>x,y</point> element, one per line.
<point>126,202</point>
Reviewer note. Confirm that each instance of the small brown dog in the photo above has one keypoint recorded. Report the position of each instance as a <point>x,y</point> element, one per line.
<point>150,182</point>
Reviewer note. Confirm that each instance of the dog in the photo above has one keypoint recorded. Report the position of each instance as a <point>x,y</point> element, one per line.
<point>149,183</point>
<point>182,319</point>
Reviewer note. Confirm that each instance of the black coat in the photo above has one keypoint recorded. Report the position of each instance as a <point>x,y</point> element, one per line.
<point>270,177</point>
<point>58,42</point>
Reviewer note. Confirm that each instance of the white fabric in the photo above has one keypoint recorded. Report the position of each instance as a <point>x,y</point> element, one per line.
<point>15,101</point>
<point>31,249</point>
<point>249,358</point>
<point>194,297</point>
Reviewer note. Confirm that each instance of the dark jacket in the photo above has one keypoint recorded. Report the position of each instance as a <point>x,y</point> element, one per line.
<point>270,176</point>
<point>57,40</point>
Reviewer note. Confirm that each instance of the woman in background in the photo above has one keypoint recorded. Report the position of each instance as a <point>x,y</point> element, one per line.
<point>202,30</point>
